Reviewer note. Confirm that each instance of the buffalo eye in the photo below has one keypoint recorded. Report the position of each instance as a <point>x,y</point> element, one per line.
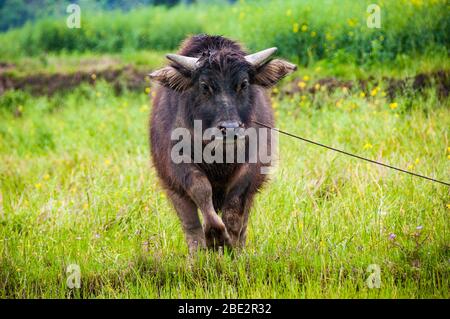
<point>204,88</point>
<point>244,85</point>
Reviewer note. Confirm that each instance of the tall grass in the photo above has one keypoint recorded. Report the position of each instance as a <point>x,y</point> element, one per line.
<point>304,30</point>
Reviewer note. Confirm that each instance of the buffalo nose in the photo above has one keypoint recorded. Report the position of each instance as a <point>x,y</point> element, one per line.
<point>231,130</point>
<point>232,125</point>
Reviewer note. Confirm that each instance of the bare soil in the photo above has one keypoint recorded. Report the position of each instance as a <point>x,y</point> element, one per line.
<point>133,79</point>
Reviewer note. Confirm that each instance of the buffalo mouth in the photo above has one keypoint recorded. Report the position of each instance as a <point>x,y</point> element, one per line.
<point>228,136</point>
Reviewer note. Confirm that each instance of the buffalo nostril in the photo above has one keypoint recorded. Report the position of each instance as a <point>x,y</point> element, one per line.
<point>229,125</point>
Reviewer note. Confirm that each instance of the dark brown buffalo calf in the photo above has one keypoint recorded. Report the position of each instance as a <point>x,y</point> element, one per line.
<point>212,80</point>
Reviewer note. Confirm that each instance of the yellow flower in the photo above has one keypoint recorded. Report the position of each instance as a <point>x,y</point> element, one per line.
<point>317,86</point>
<point>410,166</point>
<point>275,90</point>
<point>313,34</point>
<point>85,206</point>
<point>143,108</point>
<point>416,161</point>
<point>46,177</point>
<point>338,103</point>
<point>303,97</point>
<point>374,92</point>
<point>393,105</point>
<point>107,162</point>
<point>93,76</point>
<point>301,84</point>
<point>448,149</point>
<point>448,206</point>
<point>304,28</point>
<point>448,156</point>
<point>362,94</point>
<point>295,27</point>
<point>147,90</point>
<point>383,94</point>
<point>306,78</point>
<point>38,186</point>
<point>368,146</point>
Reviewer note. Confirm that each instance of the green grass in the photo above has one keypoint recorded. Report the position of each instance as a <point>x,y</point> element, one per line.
<point>77,187</point>
<point>67,63</point>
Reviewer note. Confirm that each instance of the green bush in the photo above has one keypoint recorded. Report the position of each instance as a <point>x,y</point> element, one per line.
<point>306,31</point>
<point>13,100</point>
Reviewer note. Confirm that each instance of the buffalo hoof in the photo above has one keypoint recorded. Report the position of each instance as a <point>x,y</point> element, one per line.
<point>217,236</point>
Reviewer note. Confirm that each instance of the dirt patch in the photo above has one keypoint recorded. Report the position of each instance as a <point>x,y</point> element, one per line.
<point>420,82</point>
<point>440,80</point>
<point>48,84</point>
<point>5,67</point>
<point>133,79</point>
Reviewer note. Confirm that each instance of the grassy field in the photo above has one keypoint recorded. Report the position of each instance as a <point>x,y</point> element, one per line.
<point>77,188</point>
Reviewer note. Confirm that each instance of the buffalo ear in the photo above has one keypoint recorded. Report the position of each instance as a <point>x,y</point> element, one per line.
<point>273,71</point>
<point>171,78</point>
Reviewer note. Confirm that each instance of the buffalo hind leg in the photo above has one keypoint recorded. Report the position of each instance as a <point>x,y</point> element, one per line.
<point>187,212</point>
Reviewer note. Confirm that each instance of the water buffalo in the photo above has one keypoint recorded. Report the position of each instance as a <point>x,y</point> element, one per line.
<point>212,80</point>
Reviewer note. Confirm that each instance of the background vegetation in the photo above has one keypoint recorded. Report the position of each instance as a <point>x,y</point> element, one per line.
<point>77,187</point>
<point>304,30</point>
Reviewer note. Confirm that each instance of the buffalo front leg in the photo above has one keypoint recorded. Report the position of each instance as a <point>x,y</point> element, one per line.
<point>235,213</point>
<point>200,191</point>
<point>233,217</point>
<point>187,212</point>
